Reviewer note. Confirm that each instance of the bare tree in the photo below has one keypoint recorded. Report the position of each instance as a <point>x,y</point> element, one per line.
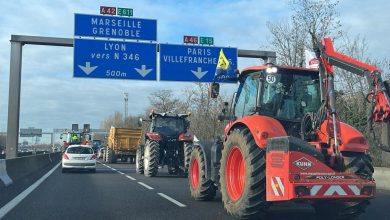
<point>311,20</point>
<point>318,17</point>
<point>115,120</point>
<point>288,42</point>
<point>205,111</point>
<point>163,101</point>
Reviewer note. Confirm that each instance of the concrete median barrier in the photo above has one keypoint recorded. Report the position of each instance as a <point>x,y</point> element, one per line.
<point>382,177</point>
<point>5,179</point>
<point>21,168</point>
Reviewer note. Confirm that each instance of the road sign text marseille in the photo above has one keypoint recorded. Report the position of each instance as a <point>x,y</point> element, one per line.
<point>103,26</point>
<point>115,27</point>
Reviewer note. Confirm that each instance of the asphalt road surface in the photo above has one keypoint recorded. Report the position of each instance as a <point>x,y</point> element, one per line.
<point>115,191</point>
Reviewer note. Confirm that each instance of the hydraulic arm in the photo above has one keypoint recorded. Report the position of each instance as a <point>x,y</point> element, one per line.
<point>379,91</point>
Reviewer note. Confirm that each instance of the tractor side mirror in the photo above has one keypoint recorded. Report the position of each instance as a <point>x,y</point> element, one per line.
<point>140,120</point>
<point>214,90</point>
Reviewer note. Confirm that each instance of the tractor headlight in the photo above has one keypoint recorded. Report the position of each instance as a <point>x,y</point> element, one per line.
<point>272,69</point>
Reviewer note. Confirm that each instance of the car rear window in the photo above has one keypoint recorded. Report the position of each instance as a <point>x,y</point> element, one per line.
<point>79,150</point>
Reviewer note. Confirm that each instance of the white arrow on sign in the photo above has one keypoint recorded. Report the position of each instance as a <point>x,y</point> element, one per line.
<point>88,69</point>
<point>143,71</point>
<point>199,72</point>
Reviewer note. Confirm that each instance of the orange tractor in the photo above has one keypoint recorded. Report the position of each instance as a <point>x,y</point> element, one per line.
<point>284,142</point>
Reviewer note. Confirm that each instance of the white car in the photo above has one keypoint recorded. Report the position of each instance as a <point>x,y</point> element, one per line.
<point>79,157</point>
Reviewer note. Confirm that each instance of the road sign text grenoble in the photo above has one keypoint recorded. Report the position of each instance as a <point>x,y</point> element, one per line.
<point>115,27</point>
<point>107,23</point>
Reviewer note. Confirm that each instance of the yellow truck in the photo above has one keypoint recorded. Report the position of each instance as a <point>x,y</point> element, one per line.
<point>122,145</point>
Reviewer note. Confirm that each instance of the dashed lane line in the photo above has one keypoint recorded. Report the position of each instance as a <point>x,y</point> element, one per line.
<point>149,187</point>
<point>129,177</point>
<point>146,186</point>
<point>172,200</point>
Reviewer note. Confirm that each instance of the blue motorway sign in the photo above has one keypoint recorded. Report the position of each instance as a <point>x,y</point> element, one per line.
<point>115,27</point>
<point>193,63</point>
<point>114,59</point>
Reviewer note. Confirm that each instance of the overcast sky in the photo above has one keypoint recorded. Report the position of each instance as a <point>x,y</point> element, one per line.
<point>52,98</point>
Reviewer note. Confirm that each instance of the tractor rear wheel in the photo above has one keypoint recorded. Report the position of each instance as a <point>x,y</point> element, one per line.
<point>201,188</point>
<point>139,160</point>
<point>361,165</point>
<point>242,180</point>
<point>187,155</point>
<point>151,158</point>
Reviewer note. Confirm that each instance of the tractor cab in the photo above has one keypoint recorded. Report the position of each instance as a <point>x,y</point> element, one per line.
<point>168,125</point>
<point>282,93</point>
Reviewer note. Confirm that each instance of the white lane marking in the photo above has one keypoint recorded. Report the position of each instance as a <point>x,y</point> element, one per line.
<point>172,200</point>
<point>146,186</point>
<point>120,172</point>
<point>130,177</point>
<point>14,202</point>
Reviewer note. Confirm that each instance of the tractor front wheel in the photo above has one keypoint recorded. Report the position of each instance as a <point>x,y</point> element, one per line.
<point>201,188</point>
<point>243,176</point>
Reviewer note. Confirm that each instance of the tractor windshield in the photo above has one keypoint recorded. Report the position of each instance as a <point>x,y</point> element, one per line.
<point>289,94</point>
<point>168,125</point>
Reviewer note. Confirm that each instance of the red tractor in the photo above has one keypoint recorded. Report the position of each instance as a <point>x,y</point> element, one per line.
<point>167,142</point>
<point>284,142</point>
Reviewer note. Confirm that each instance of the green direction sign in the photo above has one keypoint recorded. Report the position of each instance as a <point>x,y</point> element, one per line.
<point>206,40</point>
<point>125,12</point>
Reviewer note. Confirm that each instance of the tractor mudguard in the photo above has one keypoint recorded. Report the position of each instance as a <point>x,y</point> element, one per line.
<point>211,157</point>
<point>216,154</point>
<point>261,127</point>
<point>351,139</point>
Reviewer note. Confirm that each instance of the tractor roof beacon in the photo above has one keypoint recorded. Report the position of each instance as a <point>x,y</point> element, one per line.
<point>284,142</point>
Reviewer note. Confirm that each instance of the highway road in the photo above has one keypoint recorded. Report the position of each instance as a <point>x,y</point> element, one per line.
<point>115,191</point>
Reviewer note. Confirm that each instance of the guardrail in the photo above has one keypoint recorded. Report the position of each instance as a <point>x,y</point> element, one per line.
<point>16,169</point>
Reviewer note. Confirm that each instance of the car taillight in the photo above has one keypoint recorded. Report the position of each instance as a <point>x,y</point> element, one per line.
<point>93,157</point>
<point>66,157</point>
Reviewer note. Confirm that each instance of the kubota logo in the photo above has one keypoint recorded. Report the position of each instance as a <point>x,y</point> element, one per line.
<point>303,163</point>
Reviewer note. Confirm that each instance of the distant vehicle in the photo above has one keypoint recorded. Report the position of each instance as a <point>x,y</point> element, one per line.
<point>101,152</point>
<point>96,143</point>
<point>167,142</point>
<point>76,136</point>
<point>122,144</point>
<point>79,157</point>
